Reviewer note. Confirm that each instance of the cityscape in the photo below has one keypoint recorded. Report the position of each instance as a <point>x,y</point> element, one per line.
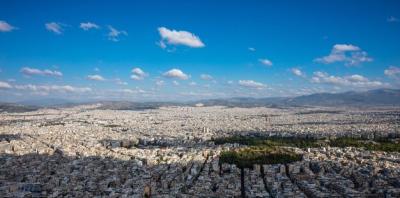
<point>200,99</point>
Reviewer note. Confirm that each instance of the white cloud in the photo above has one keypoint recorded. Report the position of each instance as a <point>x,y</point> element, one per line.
<point>5,85</point>
<point>357,78</point>
<point>345,47</point>
<point>355,81</point>
<point>265,62</point>
<point>251,84</point>
<point>54,27</point>
<point>88,25</point>
<point>393,72</point>
<point>252,49</point>
<point>297,72</point>
<point>53,88</point>
<point>206,77</point>
<point>33,71</point>
<point>393,19</point>
<point>114,34</point>
<point>131,91</point>
<point>95,77</point>
<point>175,37</point>
<point>349,54</point>
<point>176,73</point>
<point>6,27</point>
<point>138,74</point>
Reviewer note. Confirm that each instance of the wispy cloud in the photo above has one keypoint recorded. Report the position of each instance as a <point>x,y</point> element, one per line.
<point>6,27</point>
<point>88,25</point>
<point>251,84</point>
<point>54,27</point>
<point>192,83</point>
<point>351,55</point>
<point>206,77</point>
<point>120,82</point>
<point>176,73</point>
<point>33,71</point>
<point>265,62</point>
<point>175,37</point>
<point>392,19</point>
<point>95,77</point>
<point>252,49</point>
<point>53,88</point>
<point>159,82</point>
<point>297,72</point>
<point>114,34</point>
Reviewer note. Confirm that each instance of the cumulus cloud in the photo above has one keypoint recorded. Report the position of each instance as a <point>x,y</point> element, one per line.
<point>251,84</point>
<point>95,77</point>
<point>5,85</point>
<point>392,19</point>
<point>138,74</point>
<point>356,80</point>
<point>393,72</point>
<point>297,72</point>
<point>265,62</point>
<point>54,27</point>
<point>88,25</point>
<point>206,77</point>
<point>53,88</point>
<point>33,71</point>
<point>351,55</point>
<point>175,37</point>
<point>176,73</point>
<point>114,34</point>
<point>6,27</point>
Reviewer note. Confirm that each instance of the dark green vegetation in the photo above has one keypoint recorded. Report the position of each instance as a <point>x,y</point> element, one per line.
<point>271,150</point>
<point>387,145</point>
<point>381,144</point>
<point>247,157</point>
<point>271,141</point>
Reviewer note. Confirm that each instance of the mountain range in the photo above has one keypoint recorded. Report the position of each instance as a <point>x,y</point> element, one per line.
<point>377,97</point>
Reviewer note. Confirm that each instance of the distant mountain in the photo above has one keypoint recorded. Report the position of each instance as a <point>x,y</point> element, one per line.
<point>127,105</point>
<point>47,102</point>
<point>368,98</point>
<point>376,97</point>
<point>244,102</point>
<point>16,108</point>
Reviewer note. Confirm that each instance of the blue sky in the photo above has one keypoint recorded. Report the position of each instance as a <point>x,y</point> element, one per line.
<point>186,50</point>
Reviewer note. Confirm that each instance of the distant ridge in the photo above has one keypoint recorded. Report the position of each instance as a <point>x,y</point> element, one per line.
<point>377,97</point>
<point>16,108</point>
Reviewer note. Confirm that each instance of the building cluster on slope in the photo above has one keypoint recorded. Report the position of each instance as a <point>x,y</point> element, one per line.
<point>83,151</point>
